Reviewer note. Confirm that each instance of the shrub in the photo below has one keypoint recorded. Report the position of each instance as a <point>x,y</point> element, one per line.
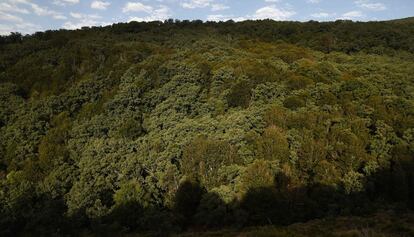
<point>294,102</point>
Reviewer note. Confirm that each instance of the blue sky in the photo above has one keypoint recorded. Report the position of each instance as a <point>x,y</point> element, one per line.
<point>28,16</point>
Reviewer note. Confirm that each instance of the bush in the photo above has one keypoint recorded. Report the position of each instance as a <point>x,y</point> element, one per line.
<point>298,82</point>
<point>294,102</point>
<point>273,145</point>
<point>240,95</point>
<point>203,158</point>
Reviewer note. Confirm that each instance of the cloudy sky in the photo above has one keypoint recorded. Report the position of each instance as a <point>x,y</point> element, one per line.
<point>28,16</point>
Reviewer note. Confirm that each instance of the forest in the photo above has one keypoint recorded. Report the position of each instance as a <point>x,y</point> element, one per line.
<point>189,128</point>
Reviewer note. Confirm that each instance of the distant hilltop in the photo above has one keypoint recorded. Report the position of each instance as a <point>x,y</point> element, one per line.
<point>404,20</point>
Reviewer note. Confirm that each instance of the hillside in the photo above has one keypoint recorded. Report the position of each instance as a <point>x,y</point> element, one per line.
<point>408,20</point>
<point>181,126</point>
<point>379,225</point>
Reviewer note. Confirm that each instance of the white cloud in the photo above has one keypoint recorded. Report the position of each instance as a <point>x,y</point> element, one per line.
<point>6,29</point>
<point>9,17</point>
<point>100,5</point>
<point>39,10</point>
<point>220,17</point>
<point>59,17</point>
<point>80,20</point>
<point>313,1</point>
<point>322,15</point>
<point>77,15</point>
<point>77,25</point>
<point>372,6</point>
<point>219,7</point>
<point>44,11</point>
<point>19,1</point>
<point>23,27</point>
<point>352,15</point>
<point>9,22</point>
<point>272,1</point>
<point>27,27</point>
<point>65,2</point>
<point>12,7</point>
<point>155,14</point>
<point>191,4</point>
<point>272,12</point>
<point>137,7</point>
<point>240,18</point>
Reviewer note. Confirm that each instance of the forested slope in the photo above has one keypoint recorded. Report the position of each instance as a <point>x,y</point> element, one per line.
<point>187,125</point>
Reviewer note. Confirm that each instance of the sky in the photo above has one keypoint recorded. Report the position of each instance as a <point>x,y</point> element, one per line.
<point>29,16</point>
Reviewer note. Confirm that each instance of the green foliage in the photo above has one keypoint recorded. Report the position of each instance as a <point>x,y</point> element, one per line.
<point>181,125</point>
<point>294,102</point>
<point>274,145</point>
<point>131,192</point>
<point>187,200</point>
<point>298,82</point>
<point>131,128</point>
<point>259,174</point>
<point>240,95</point>
<point>203,158</point>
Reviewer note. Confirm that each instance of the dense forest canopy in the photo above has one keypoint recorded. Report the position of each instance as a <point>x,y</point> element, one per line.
<point>175,125</point>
